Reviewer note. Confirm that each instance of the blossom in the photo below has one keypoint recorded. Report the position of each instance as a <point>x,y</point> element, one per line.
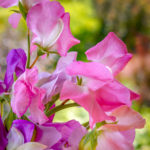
<point>16,141</point>
<point>3,139</point>
<point>123,131</point>
<point>70,132</point>
<point>26,95</point>
<point>99,92</point>
<point>111,52</point>
<point>53,83</point>
<point>16,62</point>
<point>51,27</point>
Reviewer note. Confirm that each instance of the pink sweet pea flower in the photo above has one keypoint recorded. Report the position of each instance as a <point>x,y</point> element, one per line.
<point>51,27</point>
<point>27,96</point>
<point>99,93</point>
<point>111,52</point>
<point>120,136</point>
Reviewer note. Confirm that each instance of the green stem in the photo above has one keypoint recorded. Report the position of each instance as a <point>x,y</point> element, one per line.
<point>1,109</point>
<point>28,60</point>
<point>51,103</point>
<point>60,107</point>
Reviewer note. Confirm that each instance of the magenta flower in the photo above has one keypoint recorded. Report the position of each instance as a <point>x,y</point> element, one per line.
<point>124,131</point>
<point>51,27</point>
<point>27,96</point>
<point>3,139</point>
<point>70,134</point>
<point>111,52</point>
<point>16,62</point>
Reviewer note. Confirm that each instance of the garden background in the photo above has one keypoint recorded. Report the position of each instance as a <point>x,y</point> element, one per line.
<point>91,20</point>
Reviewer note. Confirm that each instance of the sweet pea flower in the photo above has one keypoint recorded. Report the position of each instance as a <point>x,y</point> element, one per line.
<point>50,27</point>
<point>53,83</point>
<point>16,62</point>
<point>112,52</point>
<point>99,93</point>
<point>123,131</point>
<point>70,132</point>
<point>25,95</point>
<point>16,141</point>
<point>3,136</point>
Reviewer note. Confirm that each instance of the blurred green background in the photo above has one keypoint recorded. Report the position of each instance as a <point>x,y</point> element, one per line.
<point>91,20</point>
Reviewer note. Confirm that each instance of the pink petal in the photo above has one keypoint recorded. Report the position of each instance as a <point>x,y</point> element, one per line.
<point>134,96</point>
<point>92,70</point>
<point>21,98</point>
<point>113,141</point>
<point>112,52</point>
<point>37,108</point>
<point>14,19</point>
<point>127,119</point>
<point>44,23</point>
<point>86,99</point>
<point>66,39</point>
<point>113,95</point>
<point>47,135</point>
<point>8,3</point>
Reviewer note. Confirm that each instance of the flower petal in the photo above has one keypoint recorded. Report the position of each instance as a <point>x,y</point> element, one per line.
<point>15,139</point>
<point>112,52</point>
<point>14,19</point>
<point>8,3</point>
<point>92,70</point>
<point>66,39</point>
<point>25,127</point>
<point>32,146</point>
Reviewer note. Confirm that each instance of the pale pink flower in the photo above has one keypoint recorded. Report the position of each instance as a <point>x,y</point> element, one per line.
<point>120,136</point>
<point>51,27</point>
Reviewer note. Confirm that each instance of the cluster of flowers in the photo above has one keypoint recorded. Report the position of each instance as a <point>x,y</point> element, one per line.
<point>91,85</point>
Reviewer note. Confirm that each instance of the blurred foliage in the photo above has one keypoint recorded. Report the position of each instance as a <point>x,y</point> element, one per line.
<point>91,20</point>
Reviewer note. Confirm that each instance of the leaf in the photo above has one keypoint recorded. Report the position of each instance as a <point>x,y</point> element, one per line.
<point>11,117</point>
<point>22,10</point>
<point>89,141</point>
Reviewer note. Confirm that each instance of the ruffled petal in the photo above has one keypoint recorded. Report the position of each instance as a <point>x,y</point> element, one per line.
<point>113,141</point>
<point>36,108</point>
<point>86,99</point>
<point>21,98</point>
<point>113,95</point>
<point>66,39</point>
<point>112,52</point>
<point>14,19</point>
<point>127,119</point>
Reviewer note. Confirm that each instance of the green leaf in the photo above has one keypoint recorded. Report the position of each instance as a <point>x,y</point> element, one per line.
<point>11,117</point>
<point>89,141</point>
<point>22,10</point>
